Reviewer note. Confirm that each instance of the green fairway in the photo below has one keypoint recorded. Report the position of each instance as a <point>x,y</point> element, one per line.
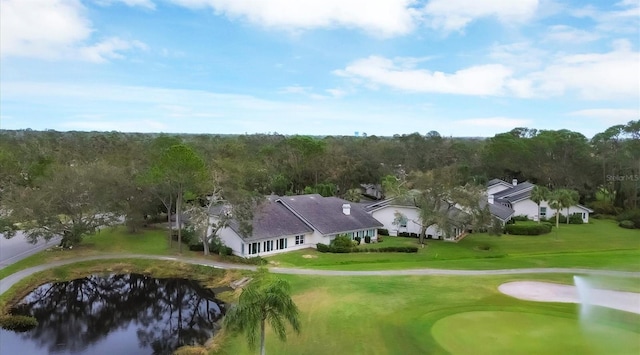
<point>408,315</point>
<point>497,332</point>
<point>600,244</point>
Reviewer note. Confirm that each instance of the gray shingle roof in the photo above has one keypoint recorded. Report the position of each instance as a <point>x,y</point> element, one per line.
<point>496,182</point>
<point>325,213</point>
<point>272,219</point>
<point>515,193</point>
<point>500,211</point>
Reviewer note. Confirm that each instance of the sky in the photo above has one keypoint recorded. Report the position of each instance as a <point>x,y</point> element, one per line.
<point>319,67</point>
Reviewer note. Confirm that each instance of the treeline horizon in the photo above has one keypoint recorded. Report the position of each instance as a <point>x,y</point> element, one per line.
<point>605,169</point>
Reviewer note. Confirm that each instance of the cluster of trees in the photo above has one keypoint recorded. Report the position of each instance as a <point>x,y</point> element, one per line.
<point>72,183</point>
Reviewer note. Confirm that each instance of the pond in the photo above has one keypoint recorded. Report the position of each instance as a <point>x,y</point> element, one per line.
<point>115,314</point>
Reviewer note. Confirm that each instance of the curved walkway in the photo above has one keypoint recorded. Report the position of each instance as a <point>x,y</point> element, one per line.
<point>12,279</point>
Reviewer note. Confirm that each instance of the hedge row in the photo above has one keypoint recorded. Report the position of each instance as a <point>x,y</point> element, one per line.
<point>323,248</point>
<point>528,229</point>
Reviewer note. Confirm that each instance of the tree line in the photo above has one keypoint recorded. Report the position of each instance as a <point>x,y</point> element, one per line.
<point>72,182</point>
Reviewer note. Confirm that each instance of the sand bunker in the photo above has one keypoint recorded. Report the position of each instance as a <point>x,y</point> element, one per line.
<point>551,292</point>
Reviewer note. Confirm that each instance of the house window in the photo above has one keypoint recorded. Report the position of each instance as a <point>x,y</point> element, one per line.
<point>282,243</point>
<point>254,248</point>
<point>543,212</point>
<point>267,245</point>
<point>299,239</point>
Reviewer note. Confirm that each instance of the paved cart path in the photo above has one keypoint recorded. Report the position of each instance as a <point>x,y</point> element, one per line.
<point>12,279</point>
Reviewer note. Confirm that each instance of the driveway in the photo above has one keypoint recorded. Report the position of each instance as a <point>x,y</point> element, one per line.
<point>18,248</point>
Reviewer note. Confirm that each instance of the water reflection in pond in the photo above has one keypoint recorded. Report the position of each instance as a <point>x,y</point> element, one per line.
<point>115,314</point>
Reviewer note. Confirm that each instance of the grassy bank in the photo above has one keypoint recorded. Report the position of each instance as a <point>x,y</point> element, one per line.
<point>112,240</point>
<point>601,244</point>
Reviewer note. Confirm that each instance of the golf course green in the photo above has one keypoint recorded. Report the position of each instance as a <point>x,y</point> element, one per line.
<point>499,332</point>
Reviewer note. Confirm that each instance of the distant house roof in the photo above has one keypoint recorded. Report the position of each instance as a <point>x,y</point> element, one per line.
<point>493,182</point>
<point>514,193</point>
<point>498,210</point>
<point>325,213</point>
<point>272,219</point>
<point>585,208</point>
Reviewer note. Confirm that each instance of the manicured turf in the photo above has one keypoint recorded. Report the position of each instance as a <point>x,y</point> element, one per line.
<point>396,315</point>
<point>600,244</point>
<point>497,332</point>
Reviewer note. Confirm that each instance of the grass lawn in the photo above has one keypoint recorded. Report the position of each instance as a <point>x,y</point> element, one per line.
<point>111,240</point>
<point>438,315</point>
<point>600,244</point>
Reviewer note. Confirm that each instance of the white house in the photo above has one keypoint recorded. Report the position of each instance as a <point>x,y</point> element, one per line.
<point>386,211</point>
<point>282,224</point>
<point>517,196</point>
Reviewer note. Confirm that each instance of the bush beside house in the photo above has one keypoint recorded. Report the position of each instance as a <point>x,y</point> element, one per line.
<point>528,228</point>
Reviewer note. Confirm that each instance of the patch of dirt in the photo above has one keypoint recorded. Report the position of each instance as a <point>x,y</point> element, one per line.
<point>551,292</point>
<point>308,256</point>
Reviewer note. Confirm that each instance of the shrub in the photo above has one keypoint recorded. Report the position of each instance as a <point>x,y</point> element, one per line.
<point>18,323</point>
<point>342,241</point>
<point>379,238</point>
<point>383,231</point>
<point>413,235</point>
<point>358,240</point>
<point>404,234</point>
<point>627,224</point>
<point>630,215</point>
<point>367,239</point>
<point>520,218</point>
<point>528,229</point>
<point>576,218</point>
<point>323,248</point>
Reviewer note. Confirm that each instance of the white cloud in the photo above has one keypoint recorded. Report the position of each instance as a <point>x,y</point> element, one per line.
<point>41,27</point>
<point>568,34</point>
<point>308,91</point>
<point>612,75</point>
<point>110,48</point>
<point>610,116</point>
<point>53,29</point>
<point>495,122</point>
<point>380,17</point>
<point>455,15</point>
<point>148,4</point>
<point>518,55</point>
<point>624,19</point>
<point>491,79</point>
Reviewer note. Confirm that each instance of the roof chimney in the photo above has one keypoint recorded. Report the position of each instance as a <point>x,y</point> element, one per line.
<point>515,182</point>
<point>346,209</point>
<point>491,199</point>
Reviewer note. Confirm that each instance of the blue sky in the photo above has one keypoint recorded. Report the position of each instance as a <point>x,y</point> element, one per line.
<point>325,67</point>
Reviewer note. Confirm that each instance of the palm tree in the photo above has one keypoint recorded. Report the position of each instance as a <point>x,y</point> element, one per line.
<point>539,194</point>
<point>265,299</point>
<point>562,198</point>
<point>571,197</point>
<point>555,202</point>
